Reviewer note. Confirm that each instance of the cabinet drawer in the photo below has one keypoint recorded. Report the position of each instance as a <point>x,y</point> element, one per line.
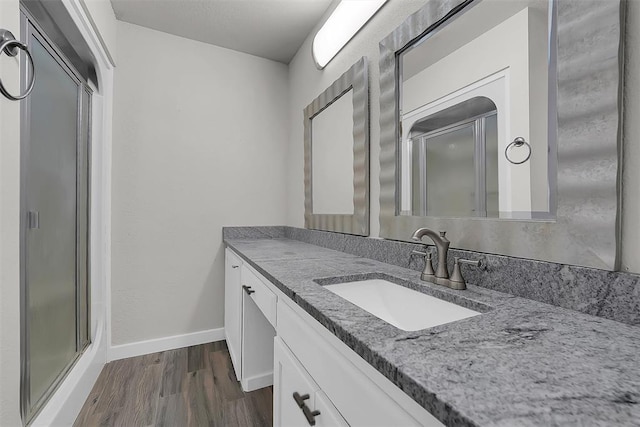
<point>260,294</point>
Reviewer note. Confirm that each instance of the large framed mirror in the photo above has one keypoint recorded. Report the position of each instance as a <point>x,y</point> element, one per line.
<point>500,124</point>
<point>336,155</point>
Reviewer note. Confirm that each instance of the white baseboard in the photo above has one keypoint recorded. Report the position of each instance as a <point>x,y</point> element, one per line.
<point>254,383</point>
<point>140,348</point>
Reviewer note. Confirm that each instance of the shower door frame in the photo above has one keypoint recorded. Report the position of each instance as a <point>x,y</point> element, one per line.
<point>29,27</point>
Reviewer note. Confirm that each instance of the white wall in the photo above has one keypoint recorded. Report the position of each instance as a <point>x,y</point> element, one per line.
<point>9,232</point>
<point>103,21</point>
<point>503,47</point>
<point>306,82</point>
<point>199,142</point>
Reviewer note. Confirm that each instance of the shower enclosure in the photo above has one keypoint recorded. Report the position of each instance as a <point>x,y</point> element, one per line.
<point>55,217</point>
<point>453,161</point>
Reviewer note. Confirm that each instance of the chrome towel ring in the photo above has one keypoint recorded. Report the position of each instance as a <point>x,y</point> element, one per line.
<point>518,142</point>
<point>10,46</point>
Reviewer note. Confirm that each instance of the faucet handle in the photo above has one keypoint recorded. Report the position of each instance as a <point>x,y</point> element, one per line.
<point>428,266</point>
<point>421,253</point>
<point>475,263</point>
<point>457,281</point>
<point>428,271</point>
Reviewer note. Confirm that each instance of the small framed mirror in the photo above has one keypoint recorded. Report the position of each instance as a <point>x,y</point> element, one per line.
<point>500,125</point>
<point>336,153</point>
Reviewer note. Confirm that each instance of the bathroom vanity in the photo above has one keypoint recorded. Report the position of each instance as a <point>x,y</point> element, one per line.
<point>316,377</point>
<point>517,362</point>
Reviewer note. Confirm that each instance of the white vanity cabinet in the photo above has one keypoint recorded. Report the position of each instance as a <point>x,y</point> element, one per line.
<point>330,380</point>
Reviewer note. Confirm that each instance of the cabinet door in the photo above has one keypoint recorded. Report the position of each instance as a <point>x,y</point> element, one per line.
<point>233,308</point>
<point>289,378</point>
<point>329,415</point>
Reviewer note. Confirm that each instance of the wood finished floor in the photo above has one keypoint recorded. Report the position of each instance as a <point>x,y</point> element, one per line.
<point>193,386</point>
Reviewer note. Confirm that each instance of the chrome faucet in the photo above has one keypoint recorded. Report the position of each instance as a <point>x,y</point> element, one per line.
<point>442,245</point>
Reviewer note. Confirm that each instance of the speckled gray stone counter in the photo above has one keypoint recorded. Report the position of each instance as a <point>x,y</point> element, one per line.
<point>609,294</point>
<point>521,362</point>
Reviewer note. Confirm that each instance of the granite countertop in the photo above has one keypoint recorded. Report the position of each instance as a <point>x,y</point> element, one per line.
<point>519,363</point>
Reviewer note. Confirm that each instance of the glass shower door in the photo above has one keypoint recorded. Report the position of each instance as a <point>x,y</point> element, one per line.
<point>51,201</point>
<point>55,194</point>
<point>454,170</point>
<point>451,174</point>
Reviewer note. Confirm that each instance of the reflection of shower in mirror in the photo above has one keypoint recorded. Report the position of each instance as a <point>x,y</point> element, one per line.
<point>445,169</point>
<point>492,69</point>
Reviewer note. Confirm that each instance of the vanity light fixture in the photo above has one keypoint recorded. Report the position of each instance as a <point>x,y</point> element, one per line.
<point>343,23</point>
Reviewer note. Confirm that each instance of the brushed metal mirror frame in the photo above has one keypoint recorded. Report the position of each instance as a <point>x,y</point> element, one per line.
<point>586,229</point>
<point>356,79</point>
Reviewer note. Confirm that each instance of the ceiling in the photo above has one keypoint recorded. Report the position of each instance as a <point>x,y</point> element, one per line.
<point>272,29</point>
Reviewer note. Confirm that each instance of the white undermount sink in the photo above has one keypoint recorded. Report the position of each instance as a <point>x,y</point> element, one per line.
<point>402,307</point>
